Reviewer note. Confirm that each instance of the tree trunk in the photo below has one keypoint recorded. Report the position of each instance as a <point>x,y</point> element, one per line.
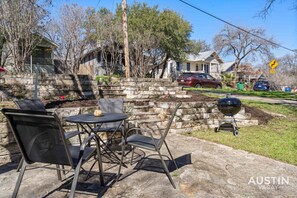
<point>164,67</point>
<point>126,45</point>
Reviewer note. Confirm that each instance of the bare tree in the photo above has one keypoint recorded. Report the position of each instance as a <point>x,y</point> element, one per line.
<point>268,7</point>
<point>286,72</point>
<point>242,45</point>
<point>107,33</point>
<point>4,54</point>
<point>144,54</point>
<point>288,69</point>
<point>22,24</point>
<point>70,33</point>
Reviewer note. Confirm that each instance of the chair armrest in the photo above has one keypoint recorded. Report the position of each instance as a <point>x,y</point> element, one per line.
<point>84,144</point>
<point>71,134</point>
<point>151,134</point>
<point>135,129</point>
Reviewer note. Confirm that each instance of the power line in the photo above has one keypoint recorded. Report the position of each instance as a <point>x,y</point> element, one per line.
<point>97,4</point>
<point>235,26</point>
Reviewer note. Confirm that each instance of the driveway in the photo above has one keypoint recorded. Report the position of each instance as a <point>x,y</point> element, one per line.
<point>206,169</point>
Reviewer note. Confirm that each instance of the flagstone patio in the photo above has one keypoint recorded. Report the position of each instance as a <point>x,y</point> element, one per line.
<point>205,170</point>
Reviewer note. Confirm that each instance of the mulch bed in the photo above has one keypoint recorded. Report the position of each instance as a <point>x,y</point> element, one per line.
<point>257,114</point>
<point>70,103</point>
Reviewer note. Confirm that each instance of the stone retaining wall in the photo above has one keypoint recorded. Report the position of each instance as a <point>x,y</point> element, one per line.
<point>49,86</point>
<point>197,115</point>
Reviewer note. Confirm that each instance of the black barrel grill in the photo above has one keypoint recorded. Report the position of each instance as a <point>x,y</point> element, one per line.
<point>229,106</point>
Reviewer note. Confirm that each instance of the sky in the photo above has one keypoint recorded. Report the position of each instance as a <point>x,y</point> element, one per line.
<point>281,23</point>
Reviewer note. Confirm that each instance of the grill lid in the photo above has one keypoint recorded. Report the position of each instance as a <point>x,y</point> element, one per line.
<point>229,106</point>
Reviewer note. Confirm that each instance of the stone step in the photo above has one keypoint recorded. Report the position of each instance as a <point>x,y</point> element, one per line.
<point>110,95</point>
<point>155,92</point>
<point>165,88</point>
<point>136,102</point>
<point>148,84</point>
<point>111,88</point>
<point>183,96</point>
<point>246,116</point>
<point>154,124</point>
<point>148,96</point>
<point>147,121</point>
<point>143,108</point>
<point>112,91</point>
<point>143,115</point>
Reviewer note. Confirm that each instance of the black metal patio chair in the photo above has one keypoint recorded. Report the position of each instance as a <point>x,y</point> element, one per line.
<point>150,143</point>
<point>37,105</point>
<point>111,105</point>
<point>41,139</point>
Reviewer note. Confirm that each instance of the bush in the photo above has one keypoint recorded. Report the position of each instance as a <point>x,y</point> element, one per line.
<point>104,79</point>
<point>228,79</point>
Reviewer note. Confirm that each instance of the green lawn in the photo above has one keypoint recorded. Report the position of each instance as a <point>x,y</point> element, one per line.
<point>277,139</point>
<point>269,94</point>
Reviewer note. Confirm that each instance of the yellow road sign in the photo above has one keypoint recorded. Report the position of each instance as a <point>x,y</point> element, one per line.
<point>273,64</point>
<point>272,71</point>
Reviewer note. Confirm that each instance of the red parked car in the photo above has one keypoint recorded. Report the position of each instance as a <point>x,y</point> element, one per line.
<point>198,80</point>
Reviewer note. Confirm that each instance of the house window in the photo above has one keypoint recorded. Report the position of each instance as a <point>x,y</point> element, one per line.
<point>188,66</point>
<point>178,68</point>
<point>206,68</point>
<point>197,67</point>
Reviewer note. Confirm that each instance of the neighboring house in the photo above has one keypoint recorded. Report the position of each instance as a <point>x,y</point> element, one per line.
<point>42,54</point>
<point>227,67</point>
<point>92,62</point>
<point>248,73</point>
<point>244,72</point>
<point>208,62</point>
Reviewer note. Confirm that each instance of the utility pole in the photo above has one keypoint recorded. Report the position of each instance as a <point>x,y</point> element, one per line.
<point>126,45</point>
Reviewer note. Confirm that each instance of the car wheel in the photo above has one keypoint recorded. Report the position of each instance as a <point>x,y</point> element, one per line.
<point>218,87</point>
<point>198,85</point>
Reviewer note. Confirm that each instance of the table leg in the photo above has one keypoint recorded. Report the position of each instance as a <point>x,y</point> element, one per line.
<point>100,165</point>
<point>106,147</point>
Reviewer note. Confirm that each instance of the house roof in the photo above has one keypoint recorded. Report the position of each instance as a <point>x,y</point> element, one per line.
<point>45,41</point>
<point>51,42</point>
<point>202,56</point>
<point>225,66</point>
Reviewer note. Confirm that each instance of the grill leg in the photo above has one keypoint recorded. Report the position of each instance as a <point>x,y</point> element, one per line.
<point>235,128</point>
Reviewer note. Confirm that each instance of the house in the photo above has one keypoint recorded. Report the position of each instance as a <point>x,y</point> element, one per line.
<point>245,72</point>
<point>208,62</point>
<point>227,67</point>
<point>93,62</point>
<point>41,55</point>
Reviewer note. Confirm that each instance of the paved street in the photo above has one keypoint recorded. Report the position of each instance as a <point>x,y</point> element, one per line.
<point>262,99</point>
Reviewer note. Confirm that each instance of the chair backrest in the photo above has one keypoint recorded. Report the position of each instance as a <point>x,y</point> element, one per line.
<point>39,136</point>
<point>30,104</point>
<point>169,124</point>
<point>111,105</point>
